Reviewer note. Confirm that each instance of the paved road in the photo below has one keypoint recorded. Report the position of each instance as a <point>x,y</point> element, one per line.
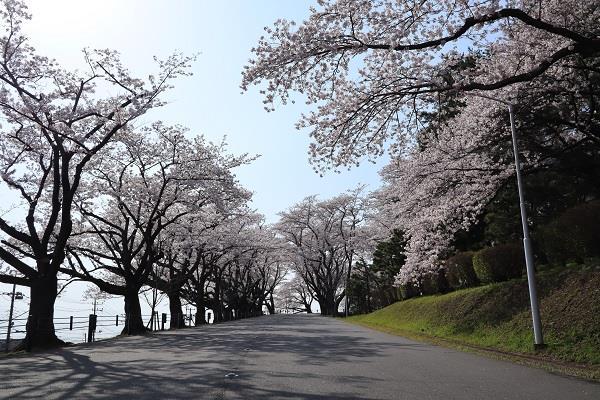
<point>276,357</point>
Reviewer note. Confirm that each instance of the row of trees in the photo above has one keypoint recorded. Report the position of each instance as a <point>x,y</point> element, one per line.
<point>324,239</point>
<point>103,199</point>
<point>420,79</point>
<point>123,206</point>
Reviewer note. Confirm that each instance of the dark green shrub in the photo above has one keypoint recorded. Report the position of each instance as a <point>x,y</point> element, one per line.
<point>459,270</point>
<point>429,285</point>
<point>433,284</point>
<point>408,291</point>
<point>574,235</point>
<point>499,263</point>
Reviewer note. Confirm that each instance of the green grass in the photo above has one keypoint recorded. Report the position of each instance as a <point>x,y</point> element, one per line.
<point>497,318</point>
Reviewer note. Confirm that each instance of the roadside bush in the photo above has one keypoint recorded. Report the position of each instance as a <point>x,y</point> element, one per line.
<point>574,235</point>
<point>428,285</point>
<point>433,284</point>
<point>499,263</point>
<point>408,291</point>
<point>459,270</point>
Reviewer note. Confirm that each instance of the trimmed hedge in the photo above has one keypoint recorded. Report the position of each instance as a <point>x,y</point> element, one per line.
<point>499,263</point>
<point>407,291</point>
<point>429,285</point>
<point>459,271</point>
<point>574,235</point>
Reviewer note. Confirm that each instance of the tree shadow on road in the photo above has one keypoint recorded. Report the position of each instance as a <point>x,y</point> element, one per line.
<point>195,363</point>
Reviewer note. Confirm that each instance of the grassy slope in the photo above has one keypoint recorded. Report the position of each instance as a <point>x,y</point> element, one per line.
<point>498,317</point>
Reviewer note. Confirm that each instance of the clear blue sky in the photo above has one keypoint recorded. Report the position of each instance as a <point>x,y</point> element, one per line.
<point>223,32</point>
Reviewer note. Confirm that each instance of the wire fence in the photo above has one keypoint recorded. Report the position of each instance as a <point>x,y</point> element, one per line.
<point>78,328</point>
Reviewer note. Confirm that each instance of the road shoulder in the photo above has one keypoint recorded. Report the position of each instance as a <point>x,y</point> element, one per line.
<point>581,371</point>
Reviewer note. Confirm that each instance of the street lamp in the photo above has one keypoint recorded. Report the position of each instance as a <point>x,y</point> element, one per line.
<point>535,309</point>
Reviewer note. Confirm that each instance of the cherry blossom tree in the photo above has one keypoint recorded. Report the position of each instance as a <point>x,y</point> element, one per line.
<point>148,182</point>
<point>54,123</point>
<point>212,250</point>
<point>240,264</point>
<point>192,247</point>
<point>434,193</point>
<point>324,240</point>
<point>295,296</point>
<point>444,185</point>
<point>378,71</point>
<point>255,271</point>
<point>373,68</point>
<point>179,245</point>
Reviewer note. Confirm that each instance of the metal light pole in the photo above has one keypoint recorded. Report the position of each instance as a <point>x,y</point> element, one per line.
<point>535,309</point>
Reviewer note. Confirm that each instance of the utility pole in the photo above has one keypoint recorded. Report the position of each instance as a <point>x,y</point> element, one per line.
<point>535,309</point>
<point>533,298</point>
<point>10,315</point>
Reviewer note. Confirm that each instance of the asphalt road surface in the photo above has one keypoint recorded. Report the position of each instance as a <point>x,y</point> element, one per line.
<point>276,357</point>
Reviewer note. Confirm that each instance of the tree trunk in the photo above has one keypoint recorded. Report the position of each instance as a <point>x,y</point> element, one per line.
<point>271,304</point>
<point>200,305</point>
<point>217,315</point>
<point>218,308</point>
<point>325,309</point>
<point>175,308</point>
<point>40,323</point>
<point>134,325</point>
<point>152,323</point>
<point>336,305</point>
<point>308,308</point>
<point>327,306</point>
<point>200,315</point>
